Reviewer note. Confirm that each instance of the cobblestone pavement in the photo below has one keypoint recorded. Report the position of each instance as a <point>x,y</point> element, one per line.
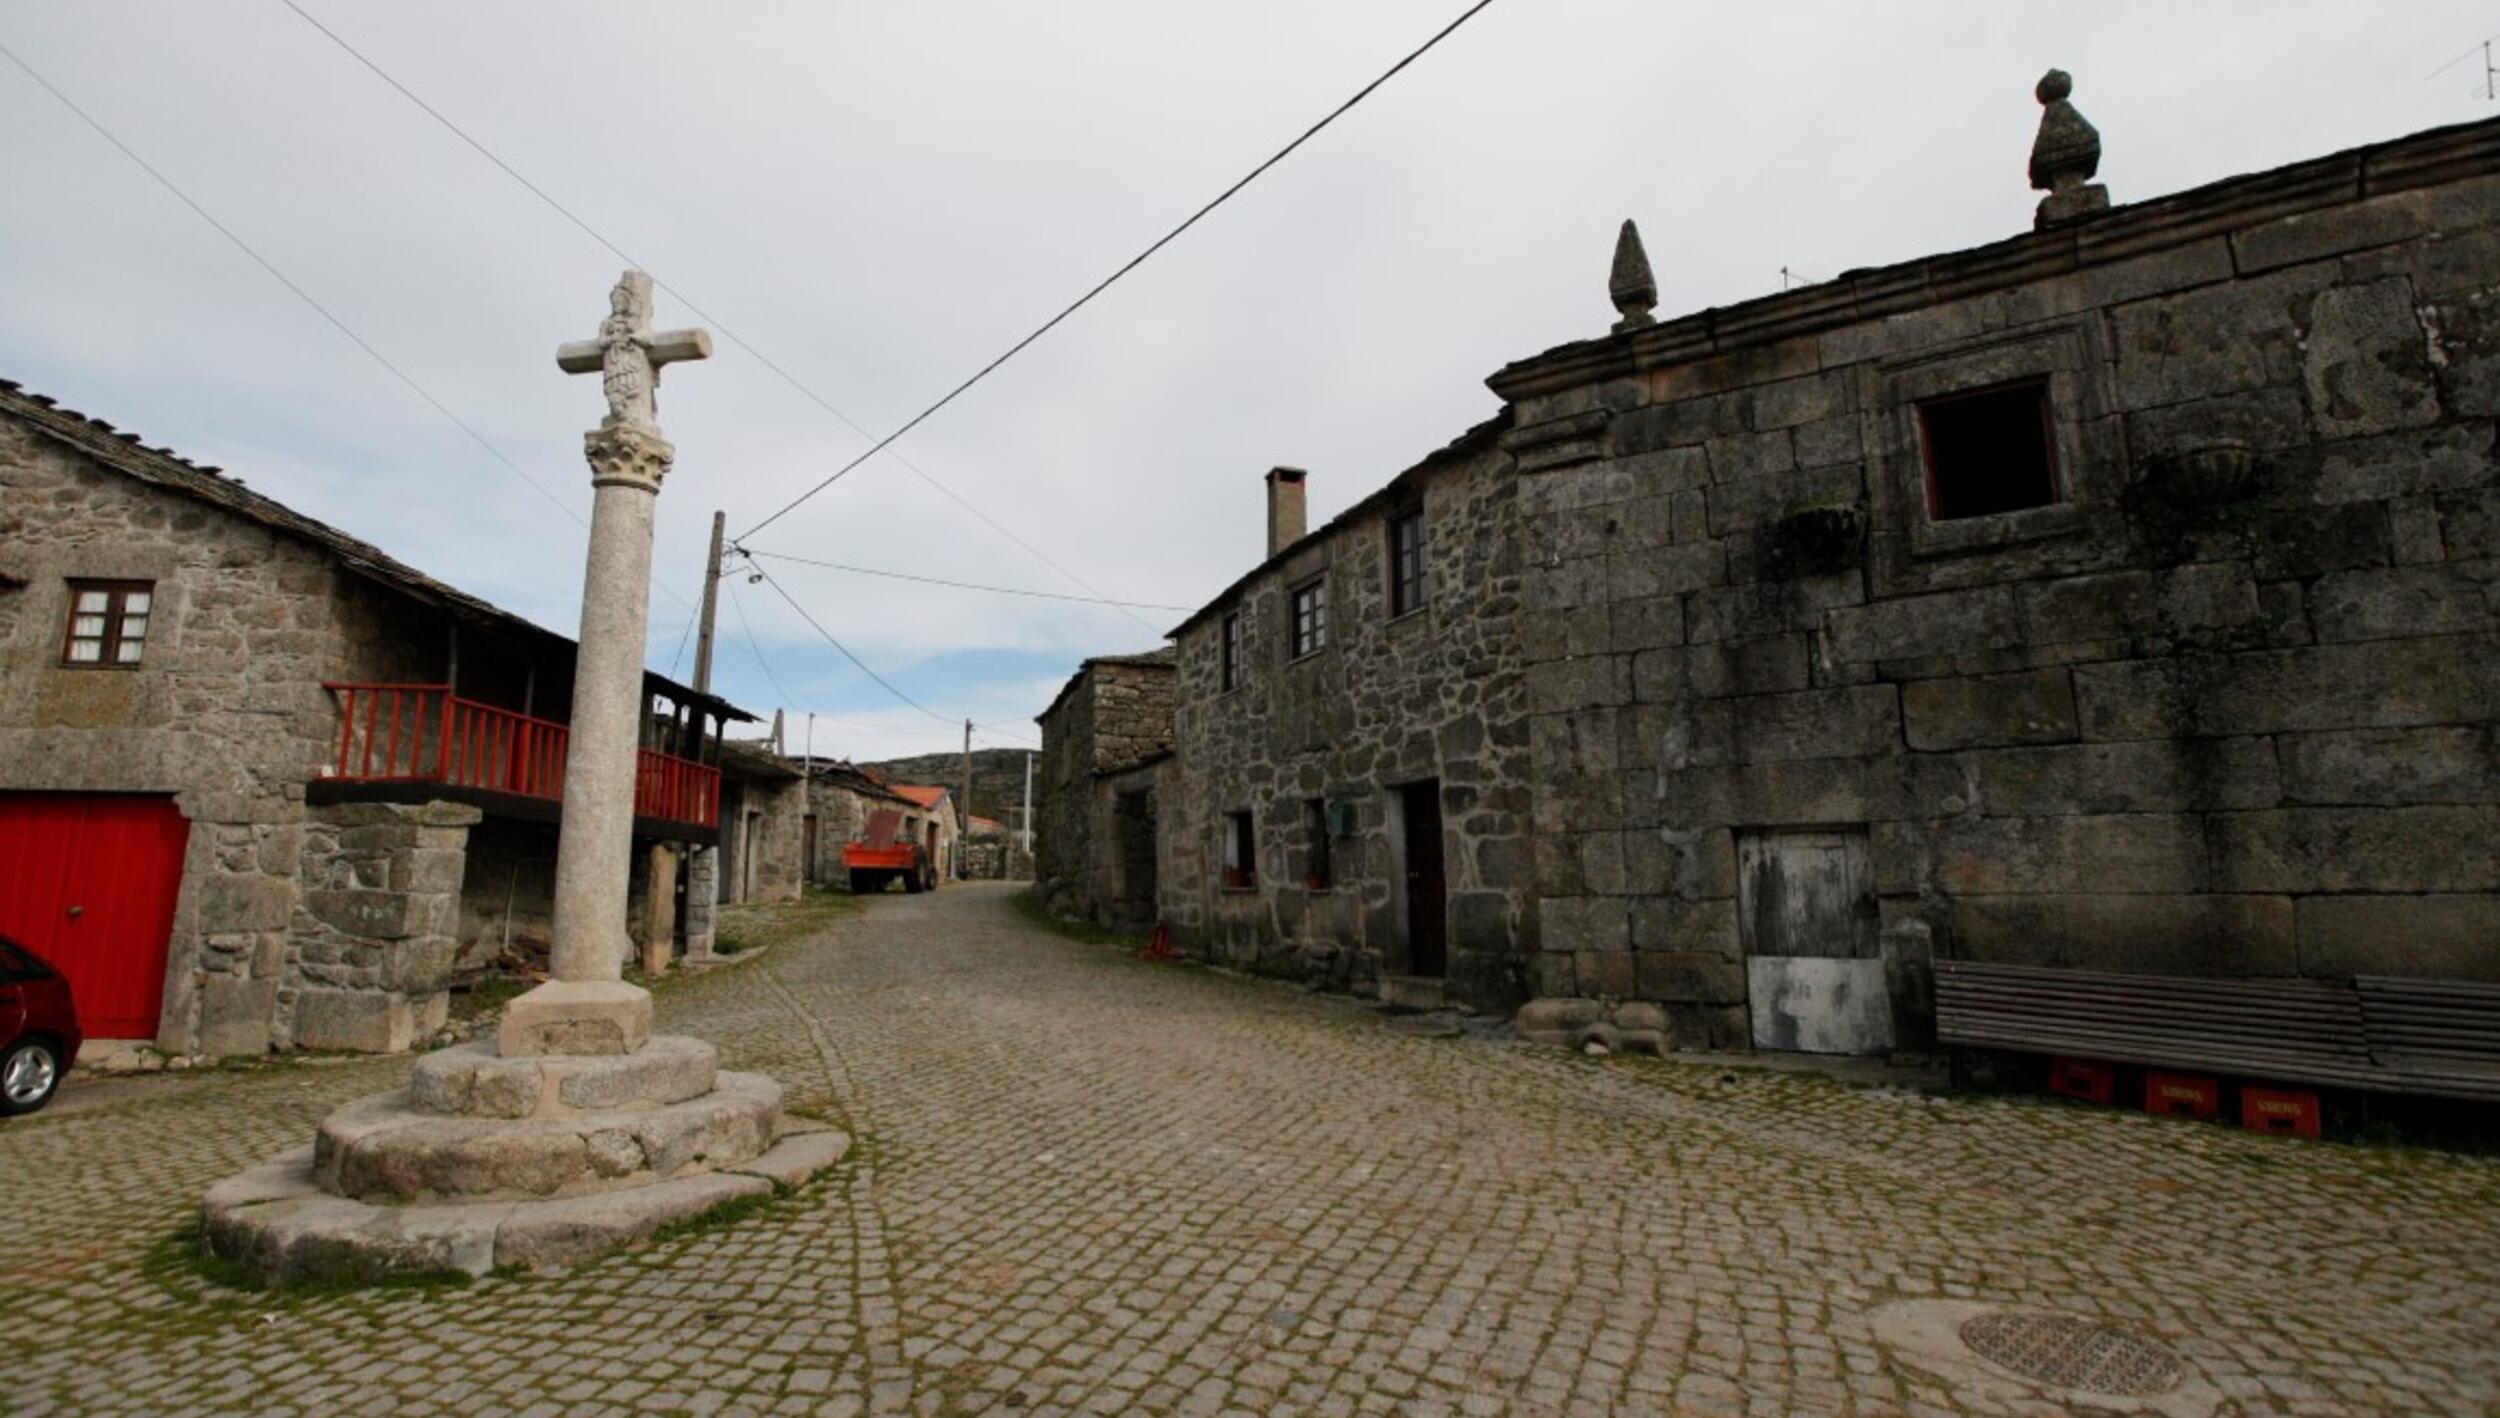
<point>1088,1184</point>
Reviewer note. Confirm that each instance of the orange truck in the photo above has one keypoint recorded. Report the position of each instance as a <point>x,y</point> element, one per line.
<point>884,856</point>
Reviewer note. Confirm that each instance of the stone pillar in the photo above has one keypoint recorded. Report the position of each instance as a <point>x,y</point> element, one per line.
<point>587,1008</point>
<point>702,902</point>
<point>659,904</point>
<point>377,928</point>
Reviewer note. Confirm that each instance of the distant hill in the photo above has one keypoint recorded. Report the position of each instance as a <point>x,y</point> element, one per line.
<point>997,778</point>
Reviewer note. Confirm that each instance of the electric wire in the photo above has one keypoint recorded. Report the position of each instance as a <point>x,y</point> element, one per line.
<point>282,278</point>
<point>1132,264</point>
<point>964,585</point>
<point>856,661</point>
<point>300,293</point>
<point>2470,51</point>
<point>709,319</point>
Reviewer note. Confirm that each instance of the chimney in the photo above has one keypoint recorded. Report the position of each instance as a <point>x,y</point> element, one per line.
<point>1287,519</point>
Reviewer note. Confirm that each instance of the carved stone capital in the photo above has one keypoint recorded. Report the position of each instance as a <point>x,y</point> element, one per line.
<point>628,456</point>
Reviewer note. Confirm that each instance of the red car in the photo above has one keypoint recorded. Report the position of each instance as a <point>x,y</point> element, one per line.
<point>39,1035</point>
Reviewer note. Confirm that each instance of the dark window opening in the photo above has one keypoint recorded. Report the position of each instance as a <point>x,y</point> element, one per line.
<point>1407,587</point>
<point>108,623</point>
<point>1310,618</point>
<point>1319,869</point>
<point>1231,678</point>
<point>1241,852</point>
<point>1988,452</point>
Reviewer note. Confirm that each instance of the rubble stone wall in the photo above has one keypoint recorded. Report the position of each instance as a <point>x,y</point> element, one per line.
<point>1437,694</point>
<point>375,936</point>
<point>2231,707</point>
<point>225,712</point>
<point>1115,717</point>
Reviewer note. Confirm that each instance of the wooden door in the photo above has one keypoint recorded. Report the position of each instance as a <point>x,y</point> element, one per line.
<point>807,848</point>
<point>1427,884</point>
<point>88,881</point>
<point>1813,963</point>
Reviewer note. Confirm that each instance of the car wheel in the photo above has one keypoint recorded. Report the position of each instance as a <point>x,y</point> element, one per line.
<point>28,1075</point>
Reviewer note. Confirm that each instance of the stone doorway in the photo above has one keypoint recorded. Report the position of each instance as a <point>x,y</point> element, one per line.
<point>1135,889</point>
<point>1427,882</point>
<point>1814,972</point>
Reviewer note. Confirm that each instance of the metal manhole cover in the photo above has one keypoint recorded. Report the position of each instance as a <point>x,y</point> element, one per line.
<point>2066,1352</point>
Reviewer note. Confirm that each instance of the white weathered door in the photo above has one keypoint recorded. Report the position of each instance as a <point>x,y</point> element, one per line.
<point>1814,970</point>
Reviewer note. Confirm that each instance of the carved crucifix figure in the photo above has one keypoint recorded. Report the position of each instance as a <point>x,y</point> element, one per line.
<point>628,355</point>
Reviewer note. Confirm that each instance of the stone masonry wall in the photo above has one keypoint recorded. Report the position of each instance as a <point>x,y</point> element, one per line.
<point>226,711</point>
<point>2186,721</point>
<point>376,933</point>
<point>1115,716</point>
<point>1434,694</point>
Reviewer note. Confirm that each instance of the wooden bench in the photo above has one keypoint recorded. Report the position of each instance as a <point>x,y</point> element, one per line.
<point>2440,1036</point>
<point>2376,1033</point>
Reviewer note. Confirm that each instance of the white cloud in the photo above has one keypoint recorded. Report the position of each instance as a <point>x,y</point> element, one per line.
<point>884,197</point>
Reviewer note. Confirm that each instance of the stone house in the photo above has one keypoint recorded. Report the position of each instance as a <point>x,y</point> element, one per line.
<point>2115,596</point>
<point>764,807</point>
<point>840,799</point>
<point>931,820</point>
<point>1105,765</point>
<point>1351,725</point>
<point>2119,596</point>
<point>262,785</point>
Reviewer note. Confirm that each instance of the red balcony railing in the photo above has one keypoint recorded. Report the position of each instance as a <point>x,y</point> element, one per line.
<point>423,733</point>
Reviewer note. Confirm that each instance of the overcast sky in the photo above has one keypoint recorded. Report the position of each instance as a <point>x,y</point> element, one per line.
<point>881,197</point>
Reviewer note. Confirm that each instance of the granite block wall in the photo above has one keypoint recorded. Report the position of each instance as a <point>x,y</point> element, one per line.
<point>1435,695</point>
<point>2228,706</point>
<point>225,712</point>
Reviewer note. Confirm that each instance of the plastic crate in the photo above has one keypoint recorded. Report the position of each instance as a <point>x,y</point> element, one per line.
<point>2279,1110</point>
<point>2084,1079</point>
<point>2182,1095</point>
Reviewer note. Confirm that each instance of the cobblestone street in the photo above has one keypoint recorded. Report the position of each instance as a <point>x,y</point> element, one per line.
<point>1088,1184</point>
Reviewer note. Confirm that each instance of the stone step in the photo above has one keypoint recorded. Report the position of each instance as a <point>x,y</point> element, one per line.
<point>1416,992</point>
<point>278,1222</point>
<point>474,1080</point>
<point>385,1149</point>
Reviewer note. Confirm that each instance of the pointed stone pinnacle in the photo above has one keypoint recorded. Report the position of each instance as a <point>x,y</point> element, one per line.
<point>1634,290</point>
<point>2065,156</point>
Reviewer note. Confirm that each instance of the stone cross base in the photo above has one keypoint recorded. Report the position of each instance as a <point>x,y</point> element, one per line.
<point>488,1159</point>
<point>575,1017</point>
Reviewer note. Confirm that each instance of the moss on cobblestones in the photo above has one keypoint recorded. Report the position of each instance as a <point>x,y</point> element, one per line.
<point>1104,1186</point>
<point>755,926</point>
<point>216,1288</point>
<point>1029,905</point>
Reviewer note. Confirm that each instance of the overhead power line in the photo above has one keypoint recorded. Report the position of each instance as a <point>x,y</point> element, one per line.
<point>714,321</point>
<point>204,214</point>
<point>307,297</point>
<point>1131,264</point>
<point>862,665</point>
<point>2470,51</point>
<point>965,585</point>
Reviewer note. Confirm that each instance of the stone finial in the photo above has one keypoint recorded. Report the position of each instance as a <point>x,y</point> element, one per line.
<point>1634,290</point>
<point>2065,156</point>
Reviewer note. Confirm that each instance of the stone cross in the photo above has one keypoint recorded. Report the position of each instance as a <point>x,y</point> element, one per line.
<point>629,356</point>
<point>587,1008</point>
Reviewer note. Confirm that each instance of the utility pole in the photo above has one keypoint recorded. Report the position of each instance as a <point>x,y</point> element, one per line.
<point>1027,821</point>
<point>807,759</point>
<point>711,604</point>
<point>965,814</point>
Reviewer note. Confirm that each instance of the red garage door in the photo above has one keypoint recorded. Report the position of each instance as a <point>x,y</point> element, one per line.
<point>87,881</point>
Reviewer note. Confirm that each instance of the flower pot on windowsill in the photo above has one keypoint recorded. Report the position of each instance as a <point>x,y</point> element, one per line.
<point>1315,881</point>
<point>1235,879</point>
